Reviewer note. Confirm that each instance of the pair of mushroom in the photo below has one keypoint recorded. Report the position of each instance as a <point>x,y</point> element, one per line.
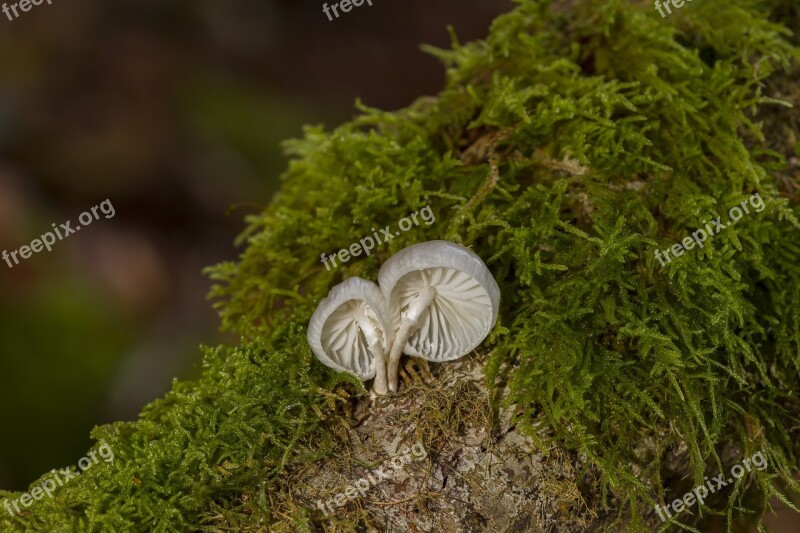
<point>437,300</point>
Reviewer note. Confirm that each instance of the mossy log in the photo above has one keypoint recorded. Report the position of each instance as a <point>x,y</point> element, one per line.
<point>567,148</point>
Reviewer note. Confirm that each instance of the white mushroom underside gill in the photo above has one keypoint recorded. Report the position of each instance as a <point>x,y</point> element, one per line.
<point>353,343</point>
<point>455,319</point>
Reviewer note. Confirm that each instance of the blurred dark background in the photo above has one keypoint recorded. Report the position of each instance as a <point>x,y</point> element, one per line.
<point>174,111</point>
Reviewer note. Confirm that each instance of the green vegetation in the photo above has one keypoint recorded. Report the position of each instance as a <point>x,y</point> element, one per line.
<point>565,149</point>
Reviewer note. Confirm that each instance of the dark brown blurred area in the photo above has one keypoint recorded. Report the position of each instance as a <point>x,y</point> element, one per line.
<point>174,111</point>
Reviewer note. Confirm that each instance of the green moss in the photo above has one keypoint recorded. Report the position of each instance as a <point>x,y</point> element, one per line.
<point>565,149</point>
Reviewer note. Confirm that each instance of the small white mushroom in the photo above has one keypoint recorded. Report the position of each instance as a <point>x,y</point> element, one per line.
<point>443,302</point>
<point>347,332</point>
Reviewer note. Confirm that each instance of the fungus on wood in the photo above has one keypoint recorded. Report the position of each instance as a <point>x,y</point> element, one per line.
<point>564,149</point>
<point>442,299</point>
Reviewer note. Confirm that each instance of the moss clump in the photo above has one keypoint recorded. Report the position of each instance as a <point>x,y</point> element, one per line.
<point>566,148</point>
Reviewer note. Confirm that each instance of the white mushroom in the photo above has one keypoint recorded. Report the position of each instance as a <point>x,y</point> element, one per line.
<point>347,332</point>
<point>443,302</point>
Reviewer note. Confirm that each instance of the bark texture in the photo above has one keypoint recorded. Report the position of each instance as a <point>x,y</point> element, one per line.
<point>477,472</point>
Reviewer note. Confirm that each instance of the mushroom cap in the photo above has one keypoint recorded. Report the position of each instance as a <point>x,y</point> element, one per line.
<point>464,309</point>
<point>336,336</point>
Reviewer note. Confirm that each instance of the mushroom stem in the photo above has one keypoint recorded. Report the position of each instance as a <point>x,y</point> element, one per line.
<point>379,385</point>
<point>374,343</point>
<point>408,326</point>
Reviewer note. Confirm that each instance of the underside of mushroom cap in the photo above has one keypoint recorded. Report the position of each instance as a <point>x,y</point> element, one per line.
<point>463,309</point>
<point>341,328</point>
